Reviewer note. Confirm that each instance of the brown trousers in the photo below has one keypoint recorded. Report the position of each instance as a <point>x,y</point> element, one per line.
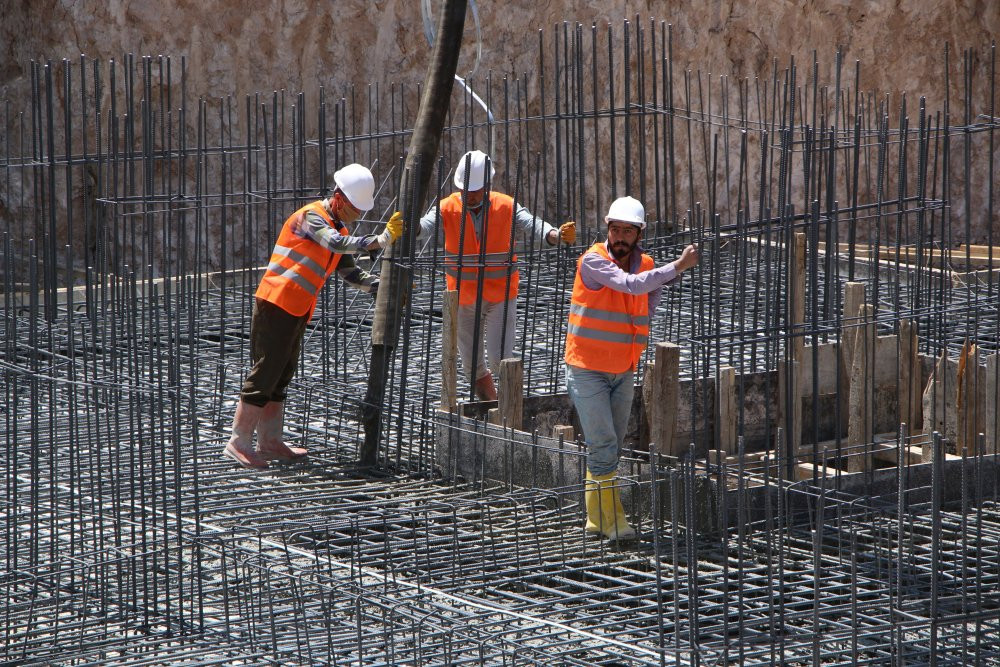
<point>275,342</point>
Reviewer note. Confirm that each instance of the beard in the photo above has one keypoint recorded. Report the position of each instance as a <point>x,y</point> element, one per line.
<point>621,249</point>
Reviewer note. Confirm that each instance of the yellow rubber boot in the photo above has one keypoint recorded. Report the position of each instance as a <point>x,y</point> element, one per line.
<point>623,529</point>
<point>592,500</point>
<point>605,512</point>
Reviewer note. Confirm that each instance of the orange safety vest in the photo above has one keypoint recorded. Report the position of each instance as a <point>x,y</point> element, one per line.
<point>496,268</point>
<point>608,329</point>
<point>298,267</point>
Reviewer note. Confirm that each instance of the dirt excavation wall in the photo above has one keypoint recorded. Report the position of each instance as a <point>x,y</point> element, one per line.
<point>237,47</point>
<point>240,48</point>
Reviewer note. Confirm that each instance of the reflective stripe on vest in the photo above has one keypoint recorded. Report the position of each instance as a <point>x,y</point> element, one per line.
<point>499,264</point>
<point>608,315</point>
<point>300,261</point>
<point>298,267</point>
<point>606,336</point>
<point>608,330</point>
<point>495,265</point>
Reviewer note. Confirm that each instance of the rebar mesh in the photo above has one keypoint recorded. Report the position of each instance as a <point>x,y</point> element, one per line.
<point>127,291</point>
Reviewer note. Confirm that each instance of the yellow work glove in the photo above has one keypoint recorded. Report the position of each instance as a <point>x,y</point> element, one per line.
<point>395,225</point>
<point>393,230</point>
<point>567,232</point>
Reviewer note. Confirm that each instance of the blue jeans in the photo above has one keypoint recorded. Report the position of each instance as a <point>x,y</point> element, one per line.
<point>603,402</point>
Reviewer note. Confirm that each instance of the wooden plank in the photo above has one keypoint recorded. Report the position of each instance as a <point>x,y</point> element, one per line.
<point>938,402</point>
<point>726,412</point>
<point>797,295</point>
<point>827,367</point>
<point>908,254</point>
<point>449,351</point>
<point>716,456</point>
<point>859,430</point>
<point>804,471</point>
<point>510,393</point>
<point>854,298</point>
<point>564,430</point>
<point>22,295</point>
<point>890,453</point>
<point>663,408</point>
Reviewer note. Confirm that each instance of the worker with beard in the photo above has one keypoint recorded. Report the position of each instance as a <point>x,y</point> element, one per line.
<point>615,291</point>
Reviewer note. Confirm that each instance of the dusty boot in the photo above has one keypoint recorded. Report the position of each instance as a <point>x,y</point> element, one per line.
<point>240,447</point>
<point>270,431</point>
<point>605,512</point>
<point>485,389</point>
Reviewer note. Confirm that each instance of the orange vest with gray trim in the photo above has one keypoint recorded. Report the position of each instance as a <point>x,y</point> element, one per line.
<point>499,259</point>
<point>298,267</point>
<point>608,329</point>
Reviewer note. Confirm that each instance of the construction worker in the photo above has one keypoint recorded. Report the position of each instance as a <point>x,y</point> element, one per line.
<point>487,222</point>
<point>615,291</point>
<point>313,241</point>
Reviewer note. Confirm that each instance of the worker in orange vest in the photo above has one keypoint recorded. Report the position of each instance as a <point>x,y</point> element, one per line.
<point>616,289</point>
<point>482,250</point>
<point>313,242</point>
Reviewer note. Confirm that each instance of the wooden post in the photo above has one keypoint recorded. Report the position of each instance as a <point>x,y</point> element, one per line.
<point>726,412</point>
<point>938,403</point>
<point>565,430</point>
<point>796,352</point>
<point>859,431</point>
<point>511,392</point>
<point>663,411</point>
<point>449,351</point>
<point>797,296</point>
<point>991,411</point>
<point>854,298</point>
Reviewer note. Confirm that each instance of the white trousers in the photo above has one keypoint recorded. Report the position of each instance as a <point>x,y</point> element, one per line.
<point>492,328</point>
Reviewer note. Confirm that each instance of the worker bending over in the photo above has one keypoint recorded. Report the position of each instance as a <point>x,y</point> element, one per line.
<point>313,242</point>
<point>615,291</point>
<point>487,228</point>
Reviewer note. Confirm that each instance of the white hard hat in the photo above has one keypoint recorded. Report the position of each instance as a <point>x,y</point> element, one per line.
<point>477,171</point>
<point>357,184</point>
<point>627,209</point>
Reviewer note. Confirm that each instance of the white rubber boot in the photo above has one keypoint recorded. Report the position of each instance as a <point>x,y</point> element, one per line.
<point>240,447</point>
<point>270,432</point>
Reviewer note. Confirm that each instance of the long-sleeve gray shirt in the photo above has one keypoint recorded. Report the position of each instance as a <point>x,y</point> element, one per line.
<point>597,272</point>
<point>313,227</point>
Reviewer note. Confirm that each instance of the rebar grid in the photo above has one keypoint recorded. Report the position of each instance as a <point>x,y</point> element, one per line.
<point>126,302</point>
<point>500,574</point>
